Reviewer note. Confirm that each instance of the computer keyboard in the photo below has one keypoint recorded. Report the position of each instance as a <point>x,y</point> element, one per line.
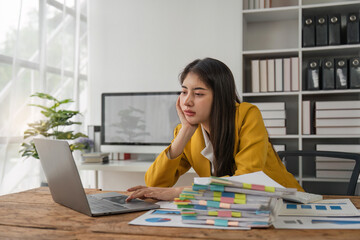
<point>99,205</point>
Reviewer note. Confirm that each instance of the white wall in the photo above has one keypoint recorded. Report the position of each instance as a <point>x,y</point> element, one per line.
<point>142,45</point>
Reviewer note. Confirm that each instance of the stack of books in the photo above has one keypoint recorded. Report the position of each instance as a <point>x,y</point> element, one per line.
<point>275,75</point>
<point>274,116</point>
<point>257,4</point>
<point>95,157</point>
<point>337,117</point>
<point>226,203</point>
<point>335,167</point>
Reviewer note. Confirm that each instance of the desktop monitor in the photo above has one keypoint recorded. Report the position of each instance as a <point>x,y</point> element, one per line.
<point>138,122</point>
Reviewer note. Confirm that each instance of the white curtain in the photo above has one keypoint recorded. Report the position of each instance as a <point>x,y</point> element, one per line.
<point>43,48</point>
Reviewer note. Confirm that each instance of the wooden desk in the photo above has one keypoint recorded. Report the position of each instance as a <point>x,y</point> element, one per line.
<point>33,215</point>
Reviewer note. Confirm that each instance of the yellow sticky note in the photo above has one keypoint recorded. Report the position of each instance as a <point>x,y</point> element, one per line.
<point>247,185</point>
<point>269,189</point>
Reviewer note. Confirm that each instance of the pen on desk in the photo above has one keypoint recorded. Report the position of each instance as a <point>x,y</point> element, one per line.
<point>335,221</point>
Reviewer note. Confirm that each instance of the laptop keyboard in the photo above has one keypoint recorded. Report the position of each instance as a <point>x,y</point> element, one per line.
<point>99,205</point>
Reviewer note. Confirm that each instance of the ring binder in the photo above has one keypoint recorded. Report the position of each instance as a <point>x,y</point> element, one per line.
<point>341,73</point>
<point>328,74</point>
<point>313,75</point>
<point>334,29</point>
<point>321,31</point>
<point>352,28</point>
<point>354,72</point>
<point>308,31</point>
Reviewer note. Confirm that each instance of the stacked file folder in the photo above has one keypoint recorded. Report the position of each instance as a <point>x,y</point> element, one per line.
<point>226,203</point>
<point>274,115</point>
<point>335,167</point>
<point>337,117</point>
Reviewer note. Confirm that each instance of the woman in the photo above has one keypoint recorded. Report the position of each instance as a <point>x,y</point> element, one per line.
<point>217,136</point>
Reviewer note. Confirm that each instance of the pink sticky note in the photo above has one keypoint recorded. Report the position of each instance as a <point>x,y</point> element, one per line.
<point>224,213</point>
<point>258,187</point>
<point>227,199</point>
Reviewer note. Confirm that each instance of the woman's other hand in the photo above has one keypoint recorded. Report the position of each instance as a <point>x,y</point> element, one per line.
<point>157,193</point>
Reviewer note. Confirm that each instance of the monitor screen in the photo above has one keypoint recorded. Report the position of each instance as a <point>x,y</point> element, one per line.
<point>138,118</point>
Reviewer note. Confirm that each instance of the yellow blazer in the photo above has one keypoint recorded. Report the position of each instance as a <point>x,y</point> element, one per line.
<point>252,152</point>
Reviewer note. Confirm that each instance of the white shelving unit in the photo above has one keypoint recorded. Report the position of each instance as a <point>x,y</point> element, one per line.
<point>277,33</point>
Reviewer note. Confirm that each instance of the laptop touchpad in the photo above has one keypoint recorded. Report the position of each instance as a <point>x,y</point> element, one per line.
<point>120,199</point>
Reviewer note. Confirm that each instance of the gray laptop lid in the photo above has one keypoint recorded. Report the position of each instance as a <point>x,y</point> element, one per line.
<point>62,174</point>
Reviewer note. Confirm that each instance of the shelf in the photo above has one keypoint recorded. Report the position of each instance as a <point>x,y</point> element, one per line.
<point>272,53</point>
<point>276,33</point>
<point>335,50</point>
<point>329,136</point>
<point>326,3</point>
<point>271,14</point>
<point>314,179</point>
<point>346,91</point>
<point>284,136</point>
<point>332,7</point>
<point>269,94</point>
<point>260,25</point>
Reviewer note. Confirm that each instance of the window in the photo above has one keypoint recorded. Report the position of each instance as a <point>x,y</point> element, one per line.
<point>43,48</point>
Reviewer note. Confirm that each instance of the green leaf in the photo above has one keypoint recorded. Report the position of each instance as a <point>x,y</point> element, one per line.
<point>44,96</point>
<point>54,119</point>
<point>66,101</point>
<point>40,106</point>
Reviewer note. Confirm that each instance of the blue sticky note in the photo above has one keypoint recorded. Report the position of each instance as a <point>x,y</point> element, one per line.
<point>221,222</point>
<point>291,206</point>
<point>188,217</point>
<point>200,207</point>
<point>319,207</point>
<point>335,207</point>
<point>228,194</point>
<point>197,187</point>
<point>306,206</point>
<point>217,188</point>
<point>213,204</point>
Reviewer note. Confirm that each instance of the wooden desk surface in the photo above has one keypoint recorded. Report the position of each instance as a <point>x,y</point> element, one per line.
<point>34,215</point>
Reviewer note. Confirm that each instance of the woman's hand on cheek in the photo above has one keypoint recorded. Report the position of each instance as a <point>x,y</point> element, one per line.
<point>183,120</point>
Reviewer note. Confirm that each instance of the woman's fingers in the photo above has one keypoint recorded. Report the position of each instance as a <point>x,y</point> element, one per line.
<point>179,111</point>
<point>140,193</point>
<point>136,188</point>
<point>167,194</point>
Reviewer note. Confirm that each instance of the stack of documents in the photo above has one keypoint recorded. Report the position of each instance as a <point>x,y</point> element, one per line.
<point>238,202</point>
<point>223,202</point>
<point>324,214</point>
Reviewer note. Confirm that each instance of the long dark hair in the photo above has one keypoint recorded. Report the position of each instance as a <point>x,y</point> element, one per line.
<point>216,75</point>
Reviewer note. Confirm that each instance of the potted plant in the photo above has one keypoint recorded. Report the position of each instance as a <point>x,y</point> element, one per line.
<point>54,125</point>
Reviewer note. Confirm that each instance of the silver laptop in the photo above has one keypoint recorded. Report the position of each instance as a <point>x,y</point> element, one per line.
<point>66,187</point>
